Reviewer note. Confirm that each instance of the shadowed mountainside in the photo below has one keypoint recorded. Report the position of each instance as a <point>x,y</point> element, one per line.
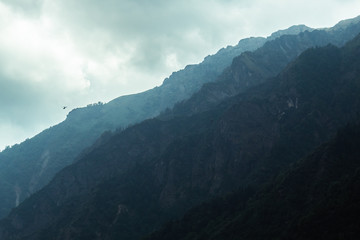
<point>316,198</point>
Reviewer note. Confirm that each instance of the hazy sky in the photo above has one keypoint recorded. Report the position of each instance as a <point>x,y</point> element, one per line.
<point>56,53</point>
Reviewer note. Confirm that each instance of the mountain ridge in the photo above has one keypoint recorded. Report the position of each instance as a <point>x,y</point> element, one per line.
<point>261,64</point>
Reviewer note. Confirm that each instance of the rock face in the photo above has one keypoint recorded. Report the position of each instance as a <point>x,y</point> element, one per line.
<point>134,180</point>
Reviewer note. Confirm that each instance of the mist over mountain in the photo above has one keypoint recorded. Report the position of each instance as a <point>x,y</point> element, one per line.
<point>27,167</point>
<point>132,181</point>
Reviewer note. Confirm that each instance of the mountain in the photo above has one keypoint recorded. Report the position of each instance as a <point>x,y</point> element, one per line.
<point>294,30</point>
<point>252,68</point>
<point>26,167</point>
<point>316,198</point>
<point>136,179</point>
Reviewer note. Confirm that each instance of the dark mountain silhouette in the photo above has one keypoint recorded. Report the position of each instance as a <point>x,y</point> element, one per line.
<point>316,198</point>
<point>26,167</point>
<point>134,180</point>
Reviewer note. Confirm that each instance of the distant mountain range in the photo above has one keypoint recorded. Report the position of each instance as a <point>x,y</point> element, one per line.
<point>27,167</point>
<point>268,110</point>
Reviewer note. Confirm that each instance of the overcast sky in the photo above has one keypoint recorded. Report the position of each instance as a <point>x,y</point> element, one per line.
<point>56,53</point>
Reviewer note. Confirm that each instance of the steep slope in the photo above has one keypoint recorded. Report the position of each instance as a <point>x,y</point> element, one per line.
<point>25,168</point>
<point>317,198</point>
<point>154,171</point>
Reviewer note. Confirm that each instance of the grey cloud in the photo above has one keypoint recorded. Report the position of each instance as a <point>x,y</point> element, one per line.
<point>25,111</point>
<point>26,104</point>
<point>28,7</point>
<point>163,25</point>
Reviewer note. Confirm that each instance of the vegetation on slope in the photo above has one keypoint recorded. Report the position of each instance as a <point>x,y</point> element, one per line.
<point>316,198</point>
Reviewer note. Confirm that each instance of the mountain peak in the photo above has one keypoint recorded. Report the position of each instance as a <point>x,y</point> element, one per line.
<point>293,30</point>
<point>344,24</point>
